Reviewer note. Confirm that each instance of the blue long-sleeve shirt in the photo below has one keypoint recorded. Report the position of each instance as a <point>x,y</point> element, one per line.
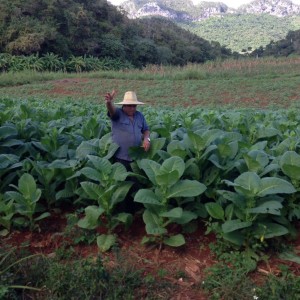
<point>126,132</point>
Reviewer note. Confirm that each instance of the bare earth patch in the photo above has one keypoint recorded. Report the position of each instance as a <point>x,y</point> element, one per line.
<point>183,267</point>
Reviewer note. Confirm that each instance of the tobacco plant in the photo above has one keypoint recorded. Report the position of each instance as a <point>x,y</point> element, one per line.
<point>290,166</point>
<point>7,211</point>
<point>26,200</point>
<point>252,212</point>
<point>107,187</point>
<point>164,201</point>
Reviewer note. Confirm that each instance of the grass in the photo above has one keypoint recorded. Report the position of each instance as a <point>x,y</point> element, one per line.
<point>24,276</point>
<point>237,84</point>
<point>244,83</point>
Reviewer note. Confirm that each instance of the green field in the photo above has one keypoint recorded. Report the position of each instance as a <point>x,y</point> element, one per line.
<point>258,83</point>
<point>218,191</point>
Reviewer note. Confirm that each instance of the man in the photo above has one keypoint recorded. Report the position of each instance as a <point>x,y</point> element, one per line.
<point>129,127</point>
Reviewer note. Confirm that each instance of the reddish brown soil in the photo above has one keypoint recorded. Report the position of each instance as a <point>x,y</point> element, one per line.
<point>184,267</point>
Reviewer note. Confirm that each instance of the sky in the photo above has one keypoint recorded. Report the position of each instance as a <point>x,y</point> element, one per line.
<point>230,3</point>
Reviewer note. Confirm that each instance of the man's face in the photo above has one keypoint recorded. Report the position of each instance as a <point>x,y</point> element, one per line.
<point>129,110</point>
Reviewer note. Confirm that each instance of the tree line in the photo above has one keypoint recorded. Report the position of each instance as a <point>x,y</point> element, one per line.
<point>240,32</point>
<point>95,28</point>
<point>290,45</point>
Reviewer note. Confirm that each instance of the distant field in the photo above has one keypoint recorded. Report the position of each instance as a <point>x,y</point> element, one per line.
<point>232,83</point>
<point>218,185</point>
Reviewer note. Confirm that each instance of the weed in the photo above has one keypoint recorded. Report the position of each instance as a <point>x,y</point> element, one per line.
<point>17,273</point>
<point>286,286</point>
<point>81,279</point>
<point>228,279</point>
<point>76,234</point>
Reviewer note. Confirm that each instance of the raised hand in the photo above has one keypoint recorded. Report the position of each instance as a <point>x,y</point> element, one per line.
<point>109,97</point>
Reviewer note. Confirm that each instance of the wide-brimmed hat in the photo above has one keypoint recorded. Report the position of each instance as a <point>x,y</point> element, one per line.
<point>130,99</point>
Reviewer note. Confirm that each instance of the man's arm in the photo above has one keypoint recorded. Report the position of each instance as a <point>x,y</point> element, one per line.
<point>109,97</point>
<point>146,142</point>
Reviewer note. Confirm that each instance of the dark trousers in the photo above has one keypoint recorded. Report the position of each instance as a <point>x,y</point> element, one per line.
<point>128,205</point>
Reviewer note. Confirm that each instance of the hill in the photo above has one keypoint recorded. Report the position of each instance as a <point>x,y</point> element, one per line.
<point>245,31</point>
<point>250,26</point>
<point>96,28</point>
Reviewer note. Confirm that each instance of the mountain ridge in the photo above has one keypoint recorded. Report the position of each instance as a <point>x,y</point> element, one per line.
<point>182,11</point>
<point>250,26</point>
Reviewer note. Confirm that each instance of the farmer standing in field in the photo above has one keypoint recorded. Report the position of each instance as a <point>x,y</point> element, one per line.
<point>129,127</point>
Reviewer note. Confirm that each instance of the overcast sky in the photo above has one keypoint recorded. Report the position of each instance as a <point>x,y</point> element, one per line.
<point>230,3</point>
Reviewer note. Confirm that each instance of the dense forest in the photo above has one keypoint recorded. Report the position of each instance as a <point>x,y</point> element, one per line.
<point>290,45</point>
<point>99,33</point>
<point>244,31</point>
<point>96,28</point>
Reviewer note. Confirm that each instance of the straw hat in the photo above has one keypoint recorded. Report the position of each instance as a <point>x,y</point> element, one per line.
<point>130,98</point>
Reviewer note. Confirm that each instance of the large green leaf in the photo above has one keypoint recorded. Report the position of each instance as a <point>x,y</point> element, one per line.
<point>151,168</point>
<point>215,210</point>
<point>42,216</point>
<point>7,160</point>
<point>16,196</point>
<point>290,256</point>
<point>256,160</point>
<point>119,172</point>
<point>120,193</point>
<point>61,164</point>
<point>235,237</point>
<point>228,149</point>
<point>125,218</point>
<point>186,217</point>
<point>186,188</point>
<point>194,141</point>
<point>86,148</point>
<point>153,223</point>
<point>270,230</point>
<point>94,191</point>
<point>171,164</point>
<point>247,184</point>
<point>27,187</point>
<point>173,213</point>
<point>273,185</point>
<point>107,147</point>
<point>147,197</point>
<point>156,145</point>
<point>91,218</point>
<point>91,173</point>
<point>112,149</point>
<point>138,153</point>
<point>175,240</point>
<point>106,241</point>
<point>176,148</point>
<point>12,143</point>
<point>210,175</point>
<point>234,225</point>
<point>7,131</point>
<point>167,179</point>
<point>290,164</point>
<point>267,132</point>
<point>269,207</point>
<point>101,164</point>
<point>236,199</point>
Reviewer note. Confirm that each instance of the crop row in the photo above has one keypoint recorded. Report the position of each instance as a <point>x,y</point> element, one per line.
<point>239,170</point>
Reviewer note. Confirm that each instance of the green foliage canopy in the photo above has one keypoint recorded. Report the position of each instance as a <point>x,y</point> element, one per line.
<point>96,28</point>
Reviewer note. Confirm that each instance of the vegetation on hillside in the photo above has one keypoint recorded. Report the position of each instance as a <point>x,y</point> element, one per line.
<point>244,32</point>
<point>285,47</point>
<point>76,28</point>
